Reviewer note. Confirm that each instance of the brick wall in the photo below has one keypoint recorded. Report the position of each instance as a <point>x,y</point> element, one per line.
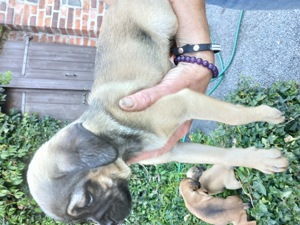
<point>56,21</point>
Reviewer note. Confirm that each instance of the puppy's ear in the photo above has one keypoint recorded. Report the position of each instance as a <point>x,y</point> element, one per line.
<point>90,150</point>
<point>95,150</point>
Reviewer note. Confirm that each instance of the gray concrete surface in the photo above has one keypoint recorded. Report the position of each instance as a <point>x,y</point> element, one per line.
<point>268,48</point>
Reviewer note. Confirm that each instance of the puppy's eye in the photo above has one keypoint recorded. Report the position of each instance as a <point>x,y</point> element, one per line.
<point>89,200</point>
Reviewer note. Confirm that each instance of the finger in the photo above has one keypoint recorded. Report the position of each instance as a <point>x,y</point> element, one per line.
<point>143,99</point>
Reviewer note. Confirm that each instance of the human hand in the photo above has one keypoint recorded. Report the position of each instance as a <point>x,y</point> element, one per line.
<point>185,75</point>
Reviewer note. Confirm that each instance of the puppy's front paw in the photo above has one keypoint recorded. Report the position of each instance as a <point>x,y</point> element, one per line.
<point>268,161</point>
<point>271,115</point>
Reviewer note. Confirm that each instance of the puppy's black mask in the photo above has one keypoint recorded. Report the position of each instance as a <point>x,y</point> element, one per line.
<point>107,207</point>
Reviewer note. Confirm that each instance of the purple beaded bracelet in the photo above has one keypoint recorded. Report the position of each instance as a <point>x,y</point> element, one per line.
<point>191,59</point>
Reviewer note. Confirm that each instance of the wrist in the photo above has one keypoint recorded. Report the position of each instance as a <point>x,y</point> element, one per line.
<point>206,55</point>
<point>198,61</point>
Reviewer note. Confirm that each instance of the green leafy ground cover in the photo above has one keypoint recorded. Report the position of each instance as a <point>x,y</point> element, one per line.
<point>156,200</point>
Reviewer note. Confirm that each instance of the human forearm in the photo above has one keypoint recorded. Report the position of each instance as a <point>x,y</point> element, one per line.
<point>193,26</point>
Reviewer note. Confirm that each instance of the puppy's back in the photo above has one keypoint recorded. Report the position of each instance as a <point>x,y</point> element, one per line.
<point>144,35</point>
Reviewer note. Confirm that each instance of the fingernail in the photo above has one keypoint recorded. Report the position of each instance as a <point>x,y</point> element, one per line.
<point>127,102</point>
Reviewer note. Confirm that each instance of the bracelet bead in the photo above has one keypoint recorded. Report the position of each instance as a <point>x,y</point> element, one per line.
<point>191,59</point>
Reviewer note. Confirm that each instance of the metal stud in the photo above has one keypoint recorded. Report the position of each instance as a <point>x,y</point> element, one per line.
<point>180,50</point>
<point>196,48</point>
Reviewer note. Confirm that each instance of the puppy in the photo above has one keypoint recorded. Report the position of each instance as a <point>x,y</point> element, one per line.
<point>81,172</point>
<point>211,209</point>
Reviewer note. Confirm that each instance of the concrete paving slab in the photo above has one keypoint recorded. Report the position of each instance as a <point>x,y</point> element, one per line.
<point>268,48</point>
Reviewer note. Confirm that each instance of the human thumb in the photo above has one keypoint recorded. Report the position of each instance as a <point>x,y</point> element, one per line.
<point>139,101</point>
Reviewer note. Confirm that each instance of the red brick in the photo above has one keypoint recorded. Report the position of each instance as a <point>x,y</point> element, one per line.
<point>92,25</point>
<point>100,8</point>
<point>62,23</point>
<point>42,4</point>
<point>55,19</point>
<point>3,6</point>
<point>93,3</point>
<point>71,41</point>
<point>78,13</point>
<point>40,22</point>
<point>85,20</point>
<point>48,22</point>
<point>26,15</point>
<point>84,31</point>
<point>33,9</point>
<point>57,38</point>
<point>34,29</point>
<point>86,6</point>
<point>85,41</point>
<point>63,40</point>
<point>70,17</point>
<point>17,20</point>
<point>12,3</point>
<point>10,16</point>
<point>54,24</point>
<point>35,38</point>
<point>43,38</point>
<point>62,26</point>
<point>70,31</point>
<point>32,20</point>
<point>99,22</point>
<point>50,39</point>
<point>48,10</point>
<point>2,18</point>
<point>92,43</point>
<point>27,29</point>
<point>78,41</point>
<point>92,28</point>
<point>33,24</point>
<point>48,25</point>
<point>56,4</point>
<point>77,28</point>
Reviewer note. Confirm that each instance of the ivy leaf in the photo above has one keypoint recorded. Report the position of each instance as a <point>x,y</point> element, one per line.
<point>259,187</point>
